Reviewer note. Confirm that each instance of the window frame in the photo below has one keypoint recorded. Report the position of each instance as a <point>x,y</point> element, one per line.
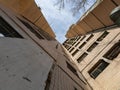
<point>82,57</point>
<point>93,46</point>
<point>7,30</point>
<point>90,37</point>
<point>32,29</point>
<point>98,68</point>
<point>103,36</point>
<point>75,52</point>
<point>113,52</point>
<point>72,69</point>
<point>82,45</point>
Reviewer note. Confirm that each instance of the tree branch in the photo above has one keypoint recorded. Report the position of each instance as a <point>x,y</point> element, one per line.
<point>76,5</point>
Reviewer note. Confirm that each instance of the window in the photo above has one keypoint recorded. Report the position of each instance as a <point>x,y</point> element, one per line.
<point>75,88</point>
<point>103,36</point>
<point>63,44</point>
<point>78,38</point>
<point>80,88</point>
<point>66,40</point>
<point>31,29</point>
<point>82,38</point>
<point>82,57</point>
<point>69,42</point>
<point>113,52</point>
<point>68,48</point>
<point>7,31</point>
<point>82,45</point>
<point>75,52</point>
<point>116,10</point>
<point>48,81</point>
<point>71,50</point>
<point>98,68</point>
<point>92,46</point>
<point>77,44</point>
<point>90,37</point>
<point>73,43</point>
<point>72,69</point>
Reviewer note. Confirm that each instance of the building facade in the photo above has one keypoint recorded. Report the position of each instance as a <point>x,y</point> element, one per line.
<point>31,58</point>
<point>29,10</point>
<point>95,18</point>
<point>97,53</point>
<point>97,57</point>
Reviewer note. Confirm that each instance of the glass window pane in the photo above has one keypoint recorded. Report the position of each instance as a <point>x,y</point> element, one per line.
<point>98,68</point>
<point>7,30</point>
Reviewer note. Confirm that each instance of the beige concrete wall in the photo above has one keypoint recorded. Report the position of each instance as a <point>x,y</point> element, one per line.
<point>96,51</point>
<point>109,79</point>
<point>111,74</point>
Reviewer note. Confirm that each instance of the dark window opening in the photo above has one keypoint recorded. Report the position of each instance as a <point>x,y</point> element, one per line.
<point>68,48</point>
<point>72,39</point>
<point>98,68</point>
<point>71,50</point>
<point>70,42</point>
<point>90,37</point>
<point>6,30</point>
<point>81,88</point>
<point>113,52</point>
<point>92,46</point>
<point>82,57</point>
<point>72,69</point>
<point>78,38</point>
<point>39,30</point>
<point>31,29</point>
<point>75,52</point>
<point>77,44</point>
<point>103,36</point>
<point>65,46</point>
<point>75,88</point>
<point>82,38</point>
<point>114,2</point>
<point>73,43</point>
<point>82,45</point>
<point>66,40</point>
<point>48,81</point>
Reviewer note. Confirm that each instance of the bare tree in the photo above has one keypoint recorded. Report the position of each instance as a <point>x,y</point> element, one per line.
<point>76,4</point>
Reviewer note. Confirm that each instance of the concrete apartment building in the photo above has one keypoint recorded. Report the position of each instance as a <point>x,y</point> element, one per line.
<point>30,57</point>
<point>95,47</point>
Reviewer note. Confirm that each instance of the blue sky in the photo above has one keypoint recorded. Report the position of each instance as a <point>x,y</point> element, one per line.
<point>59,20</point>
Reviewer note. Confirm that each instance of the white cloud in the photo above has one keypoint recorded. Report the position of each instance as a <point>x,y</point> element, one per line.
<point>58,20</point>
